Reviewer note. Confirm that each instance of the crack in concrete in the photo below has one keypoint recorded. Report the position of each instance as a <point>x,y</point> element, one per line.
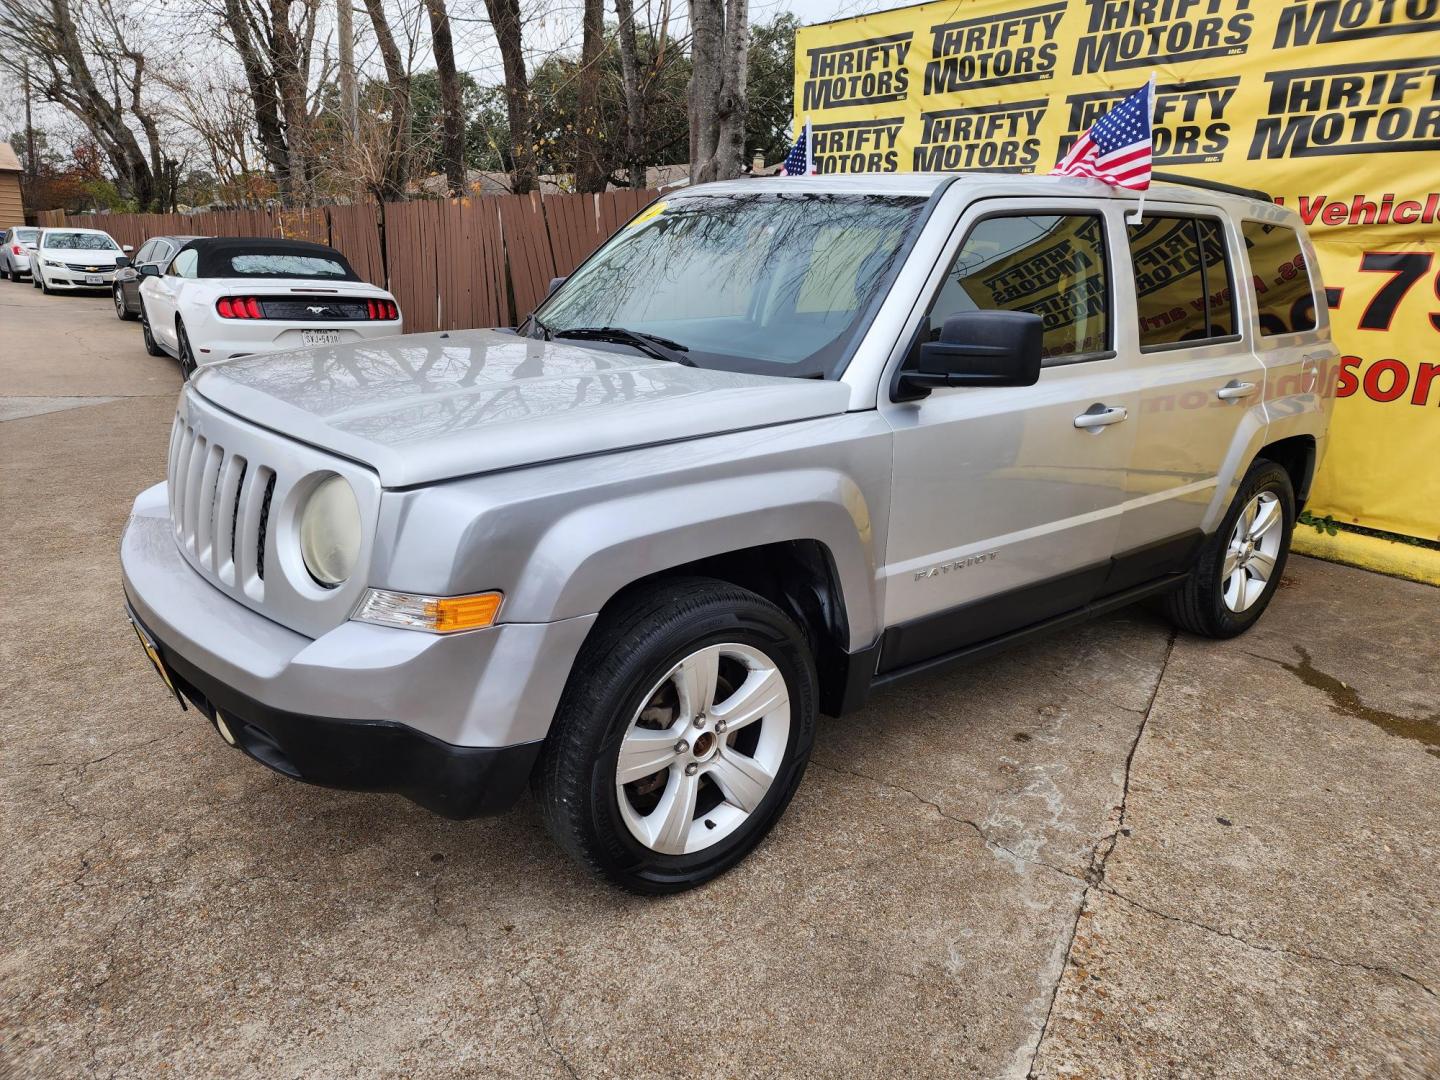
<point>1281,950</point>
<point>985,838</point>
<point>1095,874</point>
<point>82,767</point>
<point>537,1004</point>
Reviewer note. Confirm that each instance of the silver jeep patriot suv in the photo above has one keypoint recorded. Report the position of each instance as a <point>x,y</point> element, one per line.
<point>775,445</point>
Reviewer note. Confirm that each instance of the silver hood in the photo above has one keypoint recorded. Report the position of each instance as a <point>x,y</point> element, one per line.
<point>427,407</point>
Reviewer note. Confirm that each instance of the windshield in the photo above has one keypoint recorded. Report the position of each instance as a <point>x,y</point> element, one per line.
<point>768,283</point>
<point>80,241</point>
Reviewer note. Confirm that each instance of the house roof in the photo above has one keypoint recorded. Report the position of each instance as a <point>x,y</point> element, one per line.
<point>8,161</point>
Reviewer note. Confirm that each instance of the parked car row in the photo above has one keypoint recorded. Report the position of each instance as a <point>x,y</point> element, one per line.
<point>201,299</point>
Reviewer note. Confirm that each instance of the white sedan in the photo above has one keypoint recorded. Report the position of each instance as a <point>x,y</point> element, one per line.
<point>222,297</point>
<point>16,247</point>
<point>75,259</point>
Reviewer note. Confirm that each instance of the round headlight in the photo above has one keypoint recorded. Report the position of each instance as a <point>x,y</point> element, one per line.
<point>330,532</point>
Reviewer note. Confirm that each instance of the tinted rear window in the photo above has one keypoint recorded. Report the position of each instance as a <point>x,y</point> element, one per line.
<point>1284,297</point>
<point>263,264</point>
<point>1182,280</point>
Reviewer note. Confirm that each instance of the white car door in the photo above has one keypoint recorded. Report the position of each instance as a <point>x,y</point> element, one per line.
<point>1006,501</point>
<point>161,296</point>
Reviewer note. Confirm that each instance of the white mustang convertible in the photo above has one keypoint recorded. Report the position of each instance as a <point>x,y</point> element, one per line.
<point>222,297</point>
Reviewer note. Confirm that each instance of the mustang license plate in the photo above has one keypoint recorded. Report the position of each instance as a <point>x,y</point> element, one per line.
<point>320,337</point>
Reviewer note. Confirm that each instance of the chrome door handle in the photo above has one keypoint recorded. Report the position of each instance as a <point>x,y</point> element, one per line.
<point>1234,391</point>
<point>1098,416</point>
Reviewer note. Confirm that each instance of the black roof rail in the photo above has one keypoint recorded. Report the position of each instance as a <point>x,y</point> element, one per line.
<point>1212,185</point>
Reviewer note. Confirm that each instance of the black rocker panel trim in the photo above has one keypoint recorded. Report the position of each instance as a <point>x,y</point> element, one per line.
<point>994,617</point>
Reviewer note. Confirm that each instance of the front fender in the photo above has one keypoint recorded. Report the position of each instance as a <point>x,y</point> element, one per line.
<point>589,555</point>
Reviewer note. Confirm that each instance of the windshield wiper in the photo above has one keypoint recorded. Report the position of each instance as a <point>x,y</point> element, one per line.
<point>649,344</point>
<point>545,334</point>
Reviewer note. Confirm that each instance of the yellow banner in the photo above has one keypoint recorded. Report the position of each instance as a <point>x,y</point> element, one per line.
<point>1333,106</point>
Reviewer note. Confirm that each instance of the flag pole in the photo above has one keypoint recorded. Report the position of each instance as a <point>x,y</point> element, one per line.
<point>809,149</point>
<point>1150,123</point>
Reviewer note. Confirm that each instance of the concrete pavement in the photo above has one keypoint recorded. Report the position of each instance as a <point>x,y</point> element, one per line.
<point>1118,853</point>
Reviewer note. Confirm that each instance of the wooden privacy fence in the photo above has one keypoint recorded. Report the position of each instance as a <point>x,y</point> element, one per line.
<point>452,264</point>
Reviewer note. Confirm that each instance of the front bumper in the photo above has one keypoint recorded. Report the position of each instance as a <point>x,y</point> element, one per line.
<point>357,755</point>
<point>72,279</point>
<point>451,721</point>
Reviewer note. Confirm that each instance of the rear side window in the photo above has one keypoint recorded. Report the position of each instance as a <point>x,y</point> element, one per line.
<point>1182,281</point>
<point>1284,298</point>
<point>1052,265</point>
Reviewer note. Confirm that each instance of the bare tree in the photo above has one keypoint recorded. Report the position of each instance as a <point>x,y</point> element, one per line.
<point>220,115</point>
<point>451,106</point>
<point>349,85</point>
<point>275,41</point>
<point>720,35</point>
<point>45,35</point>
<point>396,173</point>
<point>589,171</point>
<point>630,86</point>
<point>506,21</point>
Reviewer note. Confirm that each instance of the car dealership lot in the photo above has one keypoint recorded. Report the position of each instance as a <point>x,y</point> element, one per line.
<point>1151,855</point>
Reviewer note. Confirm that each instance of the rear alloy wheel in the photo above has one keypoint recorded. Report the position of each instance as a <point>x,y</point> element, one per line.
<point>121,311</point>
<point>1241,564</point>
<point>187,355</point>
<point>682,734</point>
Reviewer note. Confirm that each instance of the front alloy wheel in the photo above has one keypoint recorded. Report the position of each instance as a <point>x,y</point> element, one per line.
<point>703,751</point>
<point>681,736</point>
<point>188,366</point>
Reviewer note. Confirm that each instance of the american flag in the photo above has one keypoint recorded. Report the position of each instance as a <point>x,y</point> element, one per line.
<point>1117,148</point>
<point>799,162</point>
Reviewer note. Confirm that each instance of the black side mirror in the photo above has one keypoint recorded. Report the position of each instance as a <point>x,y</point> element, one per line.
<point>122,262</point>
<point>979,348</point>
<point>555,283</point>
<point>149,270</point>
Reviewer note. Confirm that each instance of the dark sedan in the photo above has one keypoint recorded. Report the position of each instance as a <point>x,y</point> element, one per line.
<point>158,250</point>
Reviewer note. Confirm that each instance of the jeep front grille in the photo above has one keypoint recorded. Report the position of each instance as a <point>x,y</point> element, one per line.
<point>219,508</point>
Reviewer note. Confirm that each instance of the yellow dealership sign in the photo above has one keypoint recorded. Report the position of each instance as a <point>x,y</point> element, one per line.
<point>1333,106</point>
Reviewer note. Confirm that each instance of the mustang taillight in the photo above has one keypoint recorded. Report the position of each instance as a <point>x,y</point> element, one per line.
<point>381,309</point>
<point>238,307</point>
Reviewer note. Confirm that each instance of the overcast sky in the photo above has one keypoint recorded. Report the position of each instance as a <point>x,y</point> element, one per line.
<point>558,31</point>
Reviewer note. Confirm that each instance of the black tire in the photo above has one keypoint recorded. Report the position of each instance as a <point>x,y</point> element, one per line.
<point>188,365</point>
<point>151,345</point>
<point>10,274</point>
<point>34,278</point>
<point>1199,606</point>
<point>642,638</point>
<point>122,310</point>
